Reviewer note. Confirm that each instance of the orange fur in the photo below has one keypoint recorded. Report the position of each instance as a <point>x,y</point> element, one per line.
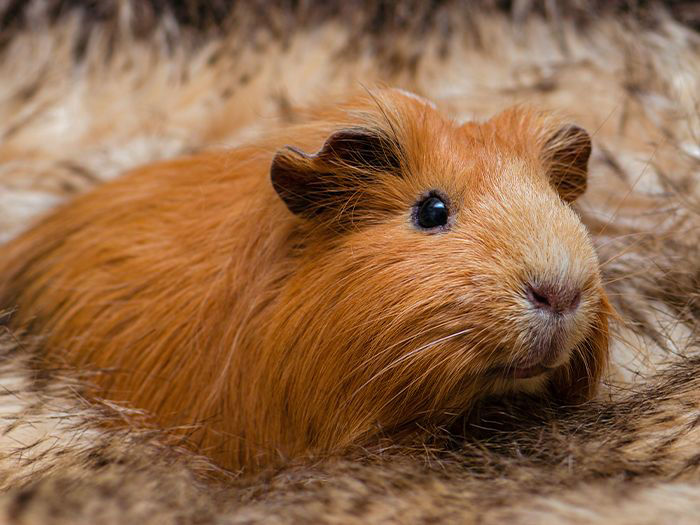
<point>278,335</point>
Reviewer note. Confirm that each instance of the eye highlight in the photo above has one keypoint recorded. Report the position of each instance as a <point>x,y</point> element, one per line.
<point>431,213</point>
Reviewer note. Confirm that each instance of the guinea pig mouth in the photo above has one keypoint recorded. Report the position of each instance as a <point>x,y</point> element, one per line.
<point>546,362</point>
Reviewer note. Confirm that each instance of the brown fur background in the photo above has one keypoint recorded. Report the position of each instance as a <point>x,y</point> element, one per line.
<point>90,90</point>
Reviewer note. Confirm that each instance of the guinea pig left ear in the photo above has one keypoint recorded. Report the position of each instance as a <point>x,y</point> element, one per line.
<point>310,184</point>
<point>566,155</point>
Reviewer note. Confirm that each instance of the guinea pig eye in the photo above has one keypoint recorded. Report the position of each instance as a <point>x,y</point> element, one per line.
<point>431,213</point>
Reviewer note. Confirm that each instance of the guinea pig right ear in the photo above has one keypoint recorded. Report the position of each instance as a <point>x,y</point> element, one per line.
<point>566,155</point>
<point>310,184</point>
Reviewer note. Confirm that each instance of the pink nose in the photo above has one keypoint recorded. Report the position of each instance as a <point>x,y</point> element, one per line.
<point>554,299</point>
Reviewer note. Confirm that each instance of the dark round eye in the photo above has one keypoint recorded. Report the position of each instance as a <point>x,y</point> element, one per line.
<point>432,213</point>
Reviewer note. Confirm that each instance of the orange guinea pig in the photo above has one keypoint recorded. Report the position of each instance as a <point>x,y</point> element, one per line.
<point>374,278</point>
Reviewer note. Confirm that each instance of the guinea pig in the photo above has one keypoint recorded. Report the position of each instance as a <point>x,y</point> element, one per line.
<point>370,272</point>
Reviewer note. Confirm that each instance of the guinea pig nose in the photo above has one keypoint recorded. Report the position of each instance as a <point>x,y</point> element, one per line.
<point>551,298</point>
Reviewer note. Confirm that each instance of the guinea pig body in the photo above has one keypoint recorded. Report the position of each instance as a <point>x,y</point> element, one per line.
<point>376,278</point>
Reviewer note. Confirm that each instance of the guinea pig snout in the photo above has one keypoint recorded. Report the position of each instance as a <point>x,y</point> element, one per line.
<point>553,299</point>
<point>555,318</point>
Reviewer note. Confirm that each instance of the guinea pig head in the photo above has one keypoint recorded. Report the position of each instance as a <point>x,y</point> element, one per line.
<point>438,263</point>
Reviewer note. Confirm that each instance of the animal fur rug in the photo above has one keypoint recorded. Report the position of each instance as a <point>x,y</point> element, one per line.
<point>91,89</point>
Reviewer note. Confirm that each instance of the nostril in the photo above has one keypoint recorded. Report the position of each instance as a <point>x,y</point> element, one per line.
<point>553,298</point>
<point>537,297</point>
<point>575,300</point>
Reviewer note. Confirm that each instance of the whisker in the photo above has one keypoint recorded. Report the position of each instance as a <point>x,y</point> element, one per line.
<point>631,189</point>
<point>407,356</point>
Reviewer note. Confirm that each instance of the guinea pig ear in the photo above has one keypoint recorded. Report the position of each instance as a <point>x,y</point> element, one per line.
<point>566,155</point>
<point>310,184</point>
